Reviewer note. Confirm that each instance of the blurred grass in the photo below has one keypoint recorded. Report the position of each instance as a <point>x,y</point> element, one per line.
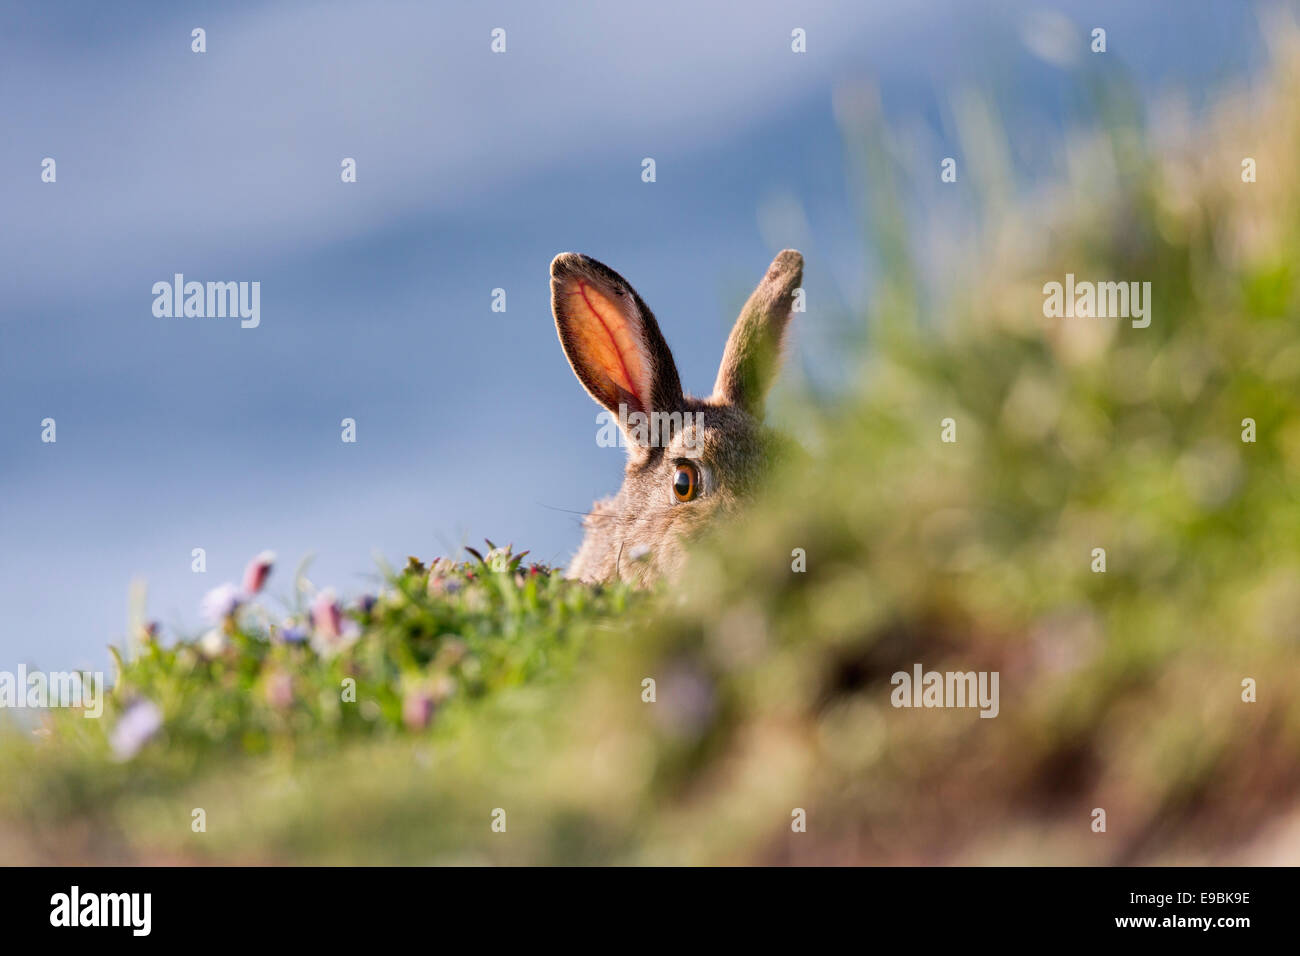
<point>1119,690</point>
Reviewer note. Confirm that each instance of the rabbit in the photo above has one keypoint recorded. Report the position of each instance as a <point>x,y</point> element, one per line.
<point>705,456</point>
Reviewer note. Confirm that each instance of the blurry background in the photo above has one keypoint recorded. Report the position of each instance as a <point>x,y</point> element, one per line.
<point>474,170</point>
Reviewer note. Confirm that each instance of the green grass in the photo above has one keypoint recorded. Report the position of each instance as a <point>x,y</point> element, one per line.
<point>1119,690</point>
<point>413,665</point>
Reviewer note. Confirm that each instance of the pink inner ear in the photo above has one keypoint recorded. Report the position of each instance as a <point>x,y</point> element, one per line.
<point>607,336</point>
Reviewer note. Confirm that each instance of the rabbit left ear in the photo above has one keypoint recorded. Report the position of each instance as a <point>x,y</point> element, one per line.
<point>611,338</point>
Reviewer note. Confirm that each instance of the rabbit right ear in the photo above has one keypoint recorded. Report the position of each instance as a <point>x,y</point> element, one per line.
<point>750,360</point>
<point>611,338</point>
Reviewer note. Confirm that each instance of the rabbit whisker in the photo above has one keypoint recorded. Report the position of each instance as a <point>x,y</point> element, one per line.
<point>593,514</point>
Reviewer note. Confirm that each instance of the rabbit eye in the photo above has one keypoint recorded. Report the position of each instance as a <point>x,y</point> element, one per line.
<point>686,482</point>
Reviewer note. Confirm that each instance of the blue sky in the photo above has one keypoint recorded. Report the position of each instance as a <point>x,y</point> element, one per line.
<point>474,170</point>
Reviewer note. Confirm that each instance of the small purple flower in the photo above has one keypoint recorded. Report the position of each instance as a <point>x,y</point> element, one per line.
<point>689,701</point>
<point>258,570</point>
<point>292,633</point>
<point>220,604</point>
<point>135,727</point>
<point>366,604</point>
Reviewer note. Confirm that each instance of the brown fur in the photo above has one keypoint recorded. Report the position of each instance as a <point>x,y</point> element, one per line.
<point>619,355</point>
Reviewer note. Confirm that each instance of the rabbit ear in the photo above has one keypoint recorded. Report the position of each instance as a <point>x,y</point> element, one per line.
<point>749,362</point>
<point>611,337</point>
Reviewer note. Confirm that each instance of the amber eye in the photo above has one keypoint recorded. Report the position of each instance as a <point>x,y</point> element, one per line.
<point>686,481</point>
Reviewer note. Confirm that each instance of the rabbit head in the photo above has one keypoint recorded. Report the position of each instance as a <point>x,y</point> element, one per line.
<point>690,460</point>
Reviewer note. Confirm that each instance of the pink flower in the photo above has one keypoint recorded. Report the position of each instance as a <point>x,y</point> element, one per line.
<point>258,570</point>
<point>326,615</point>
<point>417,709</point>
<point>279,690</point>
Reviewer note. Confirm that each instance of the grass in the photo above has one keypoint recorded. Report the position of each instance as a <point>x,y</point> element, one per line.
<point>499,689</point>
<point>414,663</point>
